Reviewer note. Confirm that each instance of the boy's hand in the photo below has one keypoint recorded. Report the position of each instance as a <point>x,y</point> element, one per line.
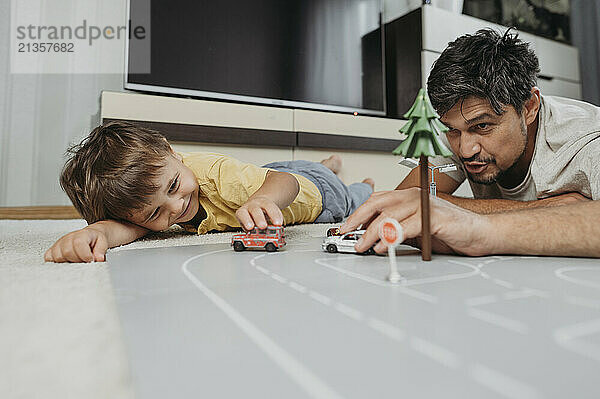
<point>252,213</point>
<point>85,245</point>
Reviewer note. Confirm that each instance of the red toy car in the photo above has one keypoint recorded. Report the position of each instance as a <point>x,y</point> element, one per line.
<point>270,239</point>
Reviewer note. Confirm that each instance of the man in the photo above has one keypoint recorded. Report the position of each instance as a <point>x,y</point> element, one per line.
<point>517,148</point>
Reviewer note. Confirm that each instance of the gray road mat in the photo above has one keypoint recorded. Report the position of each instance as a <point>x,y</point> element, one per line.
<point>204,321</point>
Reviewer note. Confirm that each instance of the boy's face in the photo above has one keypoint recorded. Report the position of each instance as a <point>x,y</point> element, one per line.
<point>176,200</point>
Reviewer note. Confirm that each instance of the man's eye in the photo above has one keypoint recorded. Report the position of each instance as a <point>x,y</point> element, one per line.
<point>482,126</point>
<point>154,215</point>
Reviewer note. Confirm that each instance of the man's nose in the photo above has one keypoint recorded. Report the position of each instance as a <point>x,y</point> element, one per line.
<point>469,145</point>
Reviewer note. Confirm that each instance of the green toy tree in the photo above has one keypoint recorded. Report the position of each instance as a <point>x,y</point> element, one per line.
<point>422,130</point>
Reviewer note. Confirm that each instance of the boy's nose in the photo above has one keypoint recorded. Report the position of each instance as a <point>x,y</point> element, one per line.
<point>176,206</point>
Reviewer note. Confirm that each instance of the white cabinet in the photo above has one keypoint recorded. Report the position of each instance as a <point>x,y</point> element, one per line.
<point>414,41</point>
<point>259,134</point>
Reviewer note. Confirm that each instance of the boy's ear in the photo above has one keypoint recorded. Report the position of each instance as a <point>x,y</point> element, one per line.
<point>176,155</point>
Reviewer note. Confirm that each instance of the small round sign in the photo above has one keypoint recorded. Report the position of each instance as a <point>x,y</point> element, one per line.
<point>390,232</point>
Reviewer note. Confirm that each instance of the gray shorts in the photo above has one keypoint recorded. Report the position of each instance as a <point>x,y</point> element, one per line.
<point>339,200</point>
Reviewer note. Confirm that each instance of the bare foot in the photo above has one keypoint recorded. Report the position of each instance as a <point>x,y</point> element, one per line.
<point>334,162</point>
<point>370,182</point>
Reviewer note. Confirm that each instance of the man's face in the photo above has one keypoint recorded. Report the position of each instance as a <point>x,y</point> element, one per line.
<point>488,144</point>
<point>175,201</point>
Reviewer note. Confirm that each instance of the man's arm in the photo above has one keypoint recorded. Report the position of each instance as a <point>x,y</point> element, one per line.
<point>90,243</point>
<point>569,230</point>
<point>445,186</point>
<point>277,192</point>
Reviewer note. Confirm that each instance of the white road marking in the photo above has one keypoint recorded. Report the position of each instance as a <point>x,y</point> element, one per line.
<point>560,273</point>
<point>481,300</point>
<point>325,300</point>
<point>520,294</point>
<point>308,381</point>
<point>567,337</point>
<point>498,320</point>
<point>503,283</point>
<point>485,275</point>
<point>413,293</point>
<point>435,352</point>
<point>348,311</point>
<point>502,384</point>
<point>300,288</point>
<point>536,292</point>
<point>588,303</point>
<point>279,278</point>
<point>386,329</point>
<point>501,258</point>
<point>263,270</point>
<point>475,271</point>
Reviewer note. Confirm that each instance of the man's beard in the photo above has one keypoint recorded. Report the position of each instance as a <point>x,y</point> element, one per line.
<point>493,179</point>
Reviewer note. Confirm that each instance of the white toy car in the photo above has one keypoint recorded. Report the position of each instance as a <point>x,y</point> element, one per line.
<point>344,242</point>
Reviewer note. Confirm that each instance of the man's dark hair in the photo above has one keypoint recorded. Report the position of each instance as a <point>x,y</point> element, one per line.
<point>499,68</point>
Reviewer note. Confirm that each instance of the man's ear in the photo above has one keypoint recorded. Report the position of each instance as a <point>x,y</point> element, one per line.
<point>532,106</point>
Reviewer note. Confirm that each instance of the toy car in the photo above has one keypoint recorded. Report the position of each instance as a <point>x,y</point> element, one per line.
<point>334,231</point>
<point>343,242</point>
<point>269,239</point>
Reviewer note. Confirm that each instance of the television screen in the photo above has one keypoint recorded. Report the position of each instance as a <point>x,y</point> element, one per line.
<point>320,54</point>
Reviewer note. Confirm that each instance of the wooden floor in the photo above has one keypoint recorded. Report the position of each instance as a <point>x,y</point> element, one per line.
<point>39,212</point>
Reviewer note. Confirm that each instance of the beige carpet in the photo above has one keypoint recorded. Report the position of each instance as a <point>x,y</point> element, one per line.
<point>59,329</point>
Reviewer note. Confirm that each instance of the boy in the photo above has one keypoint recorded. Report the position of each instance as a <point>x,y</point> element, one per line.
<point>126,181</point>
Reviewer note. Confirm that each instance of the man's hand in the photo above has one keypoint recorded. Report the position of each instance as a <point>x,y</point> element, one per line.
<point>453,229</point>
<point>85,245</point>
<point>253,212</point>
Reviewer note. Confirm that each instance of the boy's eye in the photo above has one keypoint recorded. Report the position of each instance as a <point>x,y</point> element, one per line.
<point>173,186</point>
<point>154,214</point>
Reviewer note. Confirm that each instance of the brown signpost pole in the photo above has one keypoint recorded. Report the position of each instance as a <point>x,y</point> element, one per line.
<point>425,224</point>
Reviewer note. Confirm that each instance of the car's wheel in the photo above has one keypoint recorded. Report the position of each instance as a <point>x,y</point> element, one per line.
<point>331,248</point>
<point>270,247</point>
<point>238,246</point>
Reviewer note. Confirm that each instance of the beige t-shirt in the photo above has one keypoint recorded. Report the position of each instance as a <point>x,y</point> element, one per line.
<point>225,184</point>
<point>566,156</point>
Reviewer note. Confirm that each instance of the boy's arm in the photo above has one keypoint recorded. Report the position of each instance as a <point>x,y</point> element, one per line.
<point>276,193</point>
<point>90,243</point>
<point>446,186</point>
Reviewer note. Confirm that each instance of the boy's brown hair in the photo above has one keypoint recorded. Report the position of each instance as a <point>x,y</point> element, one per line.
<point>113,171</point>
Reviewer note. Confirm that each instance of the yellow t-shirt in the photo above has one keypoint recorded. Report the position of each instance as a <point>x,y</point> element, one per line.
<point>225,184</point>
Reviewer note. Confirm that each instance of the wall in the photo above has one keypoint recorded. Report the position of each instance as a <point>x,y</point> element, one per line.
<point>41,114</point>
<point>585,32</point>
